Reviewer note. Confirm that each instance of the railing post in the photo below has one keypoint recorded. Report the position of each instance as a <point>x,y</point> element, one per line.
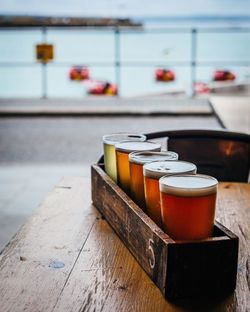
<point>193,60</point>
<point>44,66</point>
<point>117,59</point>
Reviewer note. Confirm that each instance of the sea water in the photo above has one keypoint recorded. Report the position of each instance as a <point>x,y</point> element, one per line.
<point>141,52</point>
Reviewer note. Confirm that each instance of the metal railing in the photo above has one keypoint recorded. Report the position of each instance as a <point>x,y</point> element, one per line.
<point>118,63</point>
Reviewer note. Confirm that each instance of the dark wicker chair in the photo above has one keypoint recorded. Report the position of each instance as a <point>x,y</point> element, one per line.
<point>222,154</point>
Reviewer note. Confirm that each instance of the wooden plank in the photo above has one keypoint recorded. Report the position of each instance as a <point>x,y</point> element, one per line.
<point>205,268</point>
<point>145,240</point>
<point>233,210</point>
<point>99,273</point>
<point>179,269</point>
<point>37,262</point>
<point>107,278</point>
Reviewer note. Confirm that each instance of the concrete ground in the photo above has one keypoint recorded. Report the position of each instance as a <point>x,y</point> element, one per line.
<point>69,140</point>
<point>93,106</point>
<point>234,111</point>
<point>36,152</point>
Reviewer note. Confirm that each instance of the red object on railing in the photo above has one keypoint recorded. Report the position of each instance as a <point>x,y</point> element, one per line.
<point>165,75</point>
<point>103,88</point>
<point>201,88</point>
<point>79,73</point>
<point>223,75</point>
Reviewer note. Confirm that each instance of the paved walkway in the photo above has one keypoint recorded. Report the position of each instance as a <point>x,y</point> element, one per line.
<point>164,105</point>
<point>233,111</point>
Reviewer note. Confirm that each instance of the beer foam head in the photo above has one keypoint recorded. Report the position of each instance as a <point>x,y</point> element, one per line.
<point>115,138</point>
<point>188,185</point>
<point>142,158</point>
<point>158,169</point>
<point>136,146</point>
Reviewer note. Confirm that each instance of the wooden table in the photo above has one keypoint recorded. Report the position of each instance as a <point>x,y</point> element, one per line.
<point>67,258</point>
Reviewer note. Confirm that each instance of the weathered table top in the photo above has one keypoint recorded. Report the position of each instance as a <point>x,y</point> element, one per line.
<point>67,258</point>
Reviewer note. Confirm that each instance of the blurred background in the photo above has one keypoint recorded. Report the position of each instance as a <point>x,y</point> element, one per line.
<point>74,70</point>
<point>124,44</point>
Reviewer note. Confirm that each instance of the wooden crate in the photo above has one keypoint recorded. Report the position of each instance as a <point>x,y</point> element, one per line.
<point>179,269</point>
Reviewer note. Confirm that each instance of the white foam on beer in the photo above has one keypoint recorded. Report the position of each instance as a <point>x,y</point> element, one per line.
<point>136,146</point>
<point>115,138</point>
<point>147,157</point>
<point>188,185</point>
<point>158,169</point>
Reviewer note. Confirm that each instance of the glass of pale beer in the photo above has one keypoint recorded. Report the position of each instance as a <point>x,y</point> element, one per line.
<point>122,152</point>
<point>109,142</point>
<point>188,205</point>
<point>136,162</point>
<point>152,172</point>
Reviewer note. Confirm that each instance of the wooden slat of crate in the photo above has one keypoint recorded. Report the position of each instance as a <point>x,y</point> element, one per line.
<point>179,269</point>
<point>200,268</point>
<point>138,232</point>
<point>107,278</point>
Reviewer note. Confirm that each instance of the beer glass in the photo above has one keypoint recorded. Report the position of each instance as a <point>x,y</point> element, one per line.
<point>152,173</point>
<point>136,162</point>
<point>122,151</point>
<point>109,142</point>
<point>188,205</point>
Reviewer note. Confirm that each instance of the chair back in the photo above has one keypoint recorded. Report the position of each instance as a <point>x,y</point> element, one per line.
<point>222,154</point>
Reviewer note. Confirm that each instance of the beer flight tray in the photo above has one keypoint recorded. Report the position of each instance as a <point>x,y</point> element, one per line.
<point>179,269</point>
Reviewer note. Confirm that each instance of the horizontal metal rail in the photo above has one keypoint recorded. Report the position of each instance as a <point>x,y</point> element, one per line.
<point>193,62</point>
<point>130,64</point>
<point>133,30</point>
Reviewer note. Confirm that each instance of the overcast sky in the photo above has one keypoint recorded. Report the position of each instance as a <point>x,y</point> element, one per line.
<point>124,8</point>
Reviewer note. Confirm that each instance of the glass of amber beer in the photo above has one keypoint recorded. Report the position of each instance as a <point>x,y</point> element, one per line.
<point>136,162</point>
<point>109,142</point>
<point>122,152</point>
<point>152,173</point>
<point>188,206</point>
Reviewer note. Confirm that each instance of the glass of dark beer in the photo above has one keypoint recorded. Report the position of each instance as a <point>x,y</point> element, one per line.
<point>152,173</point>
<point>188,205</point>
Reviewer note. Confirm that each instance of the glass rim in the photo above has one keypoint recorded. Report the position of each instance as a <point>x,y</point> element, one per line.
<point>188,191</point>
<point>141,161</point>
<point>156,174</point>
<point>107,138</point>
<point>156,147</point>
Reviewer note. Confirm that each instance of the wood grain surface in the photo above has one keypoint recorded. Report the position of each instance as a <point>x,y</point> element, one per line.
<point>233,210</point>
<point>179,269</point>
<point>67,258</point>
<point>145,240</point>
